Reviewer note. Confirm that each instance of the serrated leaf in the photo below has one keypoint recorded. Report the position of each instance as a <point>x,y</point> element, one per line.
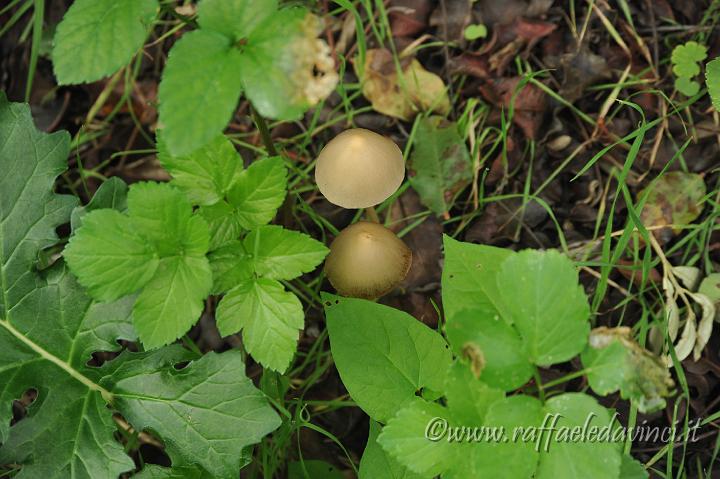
<point>712,80</point>
<point>231,265</point>
<point>614,361</point>
<point>199,90</point>
<point>529,284</point>
<point>109,257</point>
<point>97,37</point>
<point>468,277</point>
<point>235,19</point>
<point>505,364</point>
<point>206,174</point>
<point>405,437</point>
<point>270,319</point>
<point>468,398</point>
<point>567,459</point>
<point>208,411</point>
<point>259,192</point>
<point>223,223</point>
<point>278,253</point>
<point>377,464</point>
<point>112,194</point>
<point>400,354</point>
<point>440,162</point>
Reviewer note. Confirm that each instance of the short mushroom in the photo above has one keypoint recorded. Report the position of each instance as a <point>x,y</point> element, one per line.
<point>359,169</point>
<point>367,260</point>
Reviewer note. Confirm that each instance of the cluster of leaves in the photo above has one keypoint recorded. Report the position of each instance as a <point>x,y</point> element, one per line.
<point>506,314</point>
<point>686,60</point>
<point>203,233</point>
<point>207,412</point>
<point>241,45</point>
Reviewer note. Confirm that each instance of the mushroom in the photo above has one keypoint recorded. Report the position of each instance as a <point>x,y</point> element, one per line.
<point>359,169</point>
<point>367,260</point>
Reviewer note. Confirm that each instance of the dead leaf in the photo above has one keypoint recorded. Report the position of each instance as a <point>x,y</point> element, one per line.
<point>402,96</point>
<point>529,103</point>
<point>408,17</point>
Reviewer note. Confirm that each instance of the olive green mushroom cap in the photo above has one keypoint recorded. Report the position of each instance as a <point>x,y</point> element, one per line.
<point>367,260</point>
<point>359,168</point>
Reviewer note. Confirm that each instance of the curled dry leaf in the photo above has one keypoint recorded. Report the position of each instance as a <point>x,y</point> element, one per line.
<point>402,96</point>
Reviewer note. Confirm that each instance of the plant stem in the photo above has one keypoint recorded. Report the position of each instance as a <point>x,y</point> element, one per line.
<point>372,215</point>
<point>264,132</point>
<point>538,383</point>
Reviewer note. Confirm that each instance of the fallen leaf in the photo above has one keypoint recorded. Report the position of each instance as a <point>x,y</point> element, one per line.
<point>440,163</point>
<point>529,102</point>
<point>408,17</point>
<point>402,96</point>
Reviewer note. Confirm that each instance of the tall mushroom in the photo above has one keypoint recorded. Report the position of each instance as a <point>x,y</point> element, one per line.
<point>359,169</point>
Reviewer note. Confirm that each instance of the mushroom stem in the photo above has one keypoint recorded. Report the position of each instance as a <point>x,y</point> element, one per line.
<point>264,132</point>
<point>372,215</point>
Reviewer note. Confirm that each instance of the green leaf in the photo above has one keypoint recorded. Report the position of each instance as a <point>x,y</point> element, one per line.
<point>712,80</point>
<point>109,257</point>
<point>473,32</point>
<point>159,247</point>
<point>207,411</point>
<point>313,470</point>
<point>440,163</point>
<point>278,253</point>
<point>686,86</point>
<point>277,64</point>
<point>377,464</point>
<point>223,222</point>
<point>564,458</point>
<point>112,193</point>
<point>234,18</point>
<point>406,438</point>
<point>530,284</point>
<point>206,174</point>
<point>468,398</point>
<point>614,361</point>
<point>259,192</point>
<point>632,469</point>
<point>270,319</point>
<point>153,471</point>
<point>685,59</point>
<point>400,355</point>
<point>97,37</point>
<point>231,265</point>
<point>468,277</point>
<point>503,361</point>
<point>173,300</point>
<point>199,90</point>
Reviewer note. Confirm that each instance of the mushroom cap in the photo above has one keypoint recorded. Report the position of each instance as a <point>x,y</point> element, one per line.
<point>367,260</point>
<point>359,168</point>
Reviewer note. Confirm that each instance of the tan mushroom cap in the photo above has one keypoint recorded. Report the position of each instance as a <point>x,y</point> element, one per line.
<point>367,260</point>
<point>359,168</point>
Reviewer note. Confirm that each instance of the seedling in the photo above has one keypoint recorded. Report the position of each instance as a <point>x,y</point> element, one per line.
<point>685,59</point>
<point>359,169</point>
<point>367,260</point>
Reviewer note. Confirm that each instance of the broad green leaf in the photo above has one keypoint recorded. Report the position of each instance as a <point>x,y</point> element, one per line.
<point>675,199</point>
<point>440,163</point>
<point>223,222</point>
<point>235,19</point>
<point>500,450</point>
<point>503,361</point>
<point>153,471</point>
<point>97,37</point>
<point>172,301</point>
<point>561,457</point>
<point>712,80</point>
<point>231,265</point>
<point>468,398</point>
<point>109,257</point>
<point>377,464</point>
<point>400,355</point>
<point>687,86</point>
<point>199,90</point>
<point>685,59</point>
<point>413,437</point>
<point>207,412</point>
<point>614,361</point>
<point>259,192</point>
<point>206,174</point>
<point>279,253</point>
<point>632,469</point>
<point>544,301</point>
<point>277,64</point>
<point>313,469</point>
<point>468,278</point>
<point>270,319</point>
<point>111,194</point>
